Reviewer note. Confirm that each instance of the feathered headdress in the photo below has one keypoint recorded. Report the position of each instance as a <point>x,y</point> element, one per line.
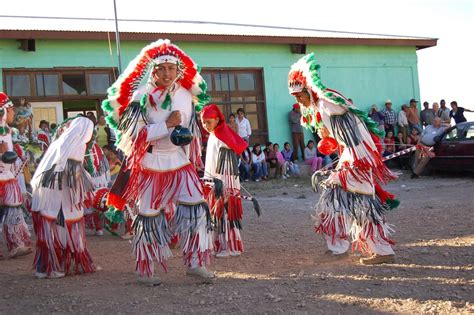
<point>5,103</point>
<point>138,73</point>
<point>304,76</point>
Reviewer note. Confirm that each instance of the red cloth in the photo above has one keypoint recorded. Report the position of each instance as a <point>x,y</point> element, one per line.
<point>222,131</point>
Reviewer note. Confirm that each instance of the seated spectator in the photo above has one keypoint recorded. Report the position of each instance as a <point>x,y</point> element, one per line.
<point>427,140</point>
<point>233,124</point>
<point>413,138</point>
<point>287,153</point>
<point>281,163</point>
<point>270,157</point>
<point>311,157</point>
<point>259,164</point>
<point>400,145</point>
<point>245,165</point>
<point>389,144</point>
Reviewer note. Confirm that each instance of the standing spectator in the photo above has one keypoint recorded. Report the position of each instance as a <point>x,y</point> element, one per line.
<point>457,113</point>
<point>311,157</point>
<point>389,116</point>
<point>445,117</point>
<point>403,122</point>
<point>245,131</point>
<point>105,135</point>
<point>281,162</point>
<point>259,165</point>
<point>377,117</point>
<point>412,116</point>
<point>245,165</point>
<point>232,124</point>
<point>427,140</point>
<point>288,155</point>
<point>426,115</point>
<point>294,117</point>
<point>442,114</point>
<point>389,143</point>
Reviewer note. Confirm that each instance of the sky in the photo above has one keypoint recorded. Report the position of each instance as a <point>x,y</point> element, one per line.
<point>445,71</point>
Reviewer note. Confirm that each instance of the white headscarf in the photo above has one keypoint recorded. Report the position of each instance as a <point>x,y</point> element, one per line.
<point>70,145</point>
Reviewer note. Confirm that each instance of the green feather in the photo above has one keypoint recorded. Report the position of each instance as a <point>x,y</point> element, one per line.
<point>392,203</point>
<point>167,102</point>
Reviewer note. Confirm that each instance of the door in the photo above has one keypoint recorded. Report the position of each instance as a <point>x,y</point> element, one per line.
<point>232,89</point>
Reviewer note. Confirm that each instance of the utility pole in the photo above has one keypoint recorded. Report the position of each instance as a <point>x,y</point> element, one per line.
<point>117,39</point>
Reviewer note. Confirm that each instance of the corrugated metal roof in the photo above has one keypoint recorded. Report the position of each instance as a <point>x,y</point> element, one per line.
<point>65,24</point>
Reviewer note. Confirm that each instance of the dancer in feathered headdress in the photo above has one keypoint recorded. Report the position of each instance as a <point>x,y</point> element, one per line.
<point>161,89</point>
<point>352,204</point>
<point>15,229</point>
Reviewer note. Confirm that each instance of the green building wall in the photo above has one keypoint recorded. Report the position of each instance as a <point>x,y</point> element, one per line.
<point>367,74</point>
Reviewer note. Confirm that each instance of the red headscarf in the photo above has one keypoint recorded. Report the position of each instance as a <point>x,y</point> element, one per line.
<point>222,131</point>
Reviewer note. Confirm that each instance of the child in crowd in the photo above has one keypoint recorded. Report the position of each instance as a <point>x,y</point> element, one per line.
<point>281,162</point>
<point>414,137</point>
<point>245,165</point>
<point>389,143</point>
<point>259,164</point>
<point>270,157</point>
<point>233,124</point>
<point>287,153</point>
<point>311,157</point>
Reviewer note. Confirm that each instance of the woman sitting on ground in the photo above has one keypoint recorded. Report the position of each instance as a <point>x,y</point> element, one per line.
<point>311,157</point>
<point>259,165</point>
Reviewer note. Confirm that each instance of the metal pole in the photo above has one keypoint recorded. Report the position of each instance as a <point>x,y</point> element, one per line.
<point>117,39</point>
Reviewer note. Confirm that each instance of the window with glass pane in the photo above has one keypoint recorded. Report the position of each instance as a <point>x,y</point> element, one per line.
<point>246,81</point>
<point>74,84</point>
<point>47,84</point>
<point>208,78</point>
<point>18,84</point>
<point>224,81</point>
<point>98,83</point>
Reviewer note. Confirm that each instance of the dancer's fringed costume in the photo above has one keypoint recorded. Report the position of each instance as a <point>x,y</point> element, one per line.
<point>223,148</point>
<point>62,189</point>
<point>352,203</point>
<point>15,230</point>
<point>157,175</point>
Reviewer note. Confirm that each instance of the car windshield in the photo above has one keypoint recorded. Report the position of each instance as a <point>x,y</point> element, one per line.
<point>470,133</point>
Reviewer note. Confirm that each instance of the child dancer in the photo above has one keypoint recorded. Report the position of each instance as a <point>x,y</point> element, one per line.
<point>221,165</point>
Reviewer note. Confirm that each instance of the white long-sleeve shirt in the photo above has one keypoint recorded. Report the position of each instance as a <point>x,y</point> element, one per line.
<point>244,127</point>
<point>258,158</point>
<point>402,119</point>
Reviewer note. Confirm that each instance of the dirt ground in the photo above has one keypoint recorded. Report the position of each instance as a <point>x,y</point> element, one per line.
<point>283,269</point>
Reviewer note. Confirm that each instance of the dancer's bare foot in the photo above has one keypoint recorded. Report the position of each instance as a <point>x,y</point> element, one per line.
<point>20,251</point>
<point>150,281</point>
<point>200,272</point>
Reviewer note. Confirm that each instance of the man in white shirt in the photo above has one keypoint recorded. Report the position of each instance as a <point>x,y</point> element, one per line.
<point>245,131</point>
<point>403,122</point>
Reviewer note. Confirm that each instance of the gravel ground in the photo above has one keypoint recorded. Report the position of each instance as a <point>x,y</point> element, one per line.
<point>283,269</point>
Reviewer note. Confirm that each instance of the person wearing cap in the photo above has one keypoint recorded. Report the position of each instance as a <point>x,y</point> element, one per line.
<point>297,135</point>
<point>377,117</point>
<point>403,122</point>
<point>389,117</point>
<point>15,230</point>
<point>413,117</point>
<point>426,115</point>
<point>152,103</point>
